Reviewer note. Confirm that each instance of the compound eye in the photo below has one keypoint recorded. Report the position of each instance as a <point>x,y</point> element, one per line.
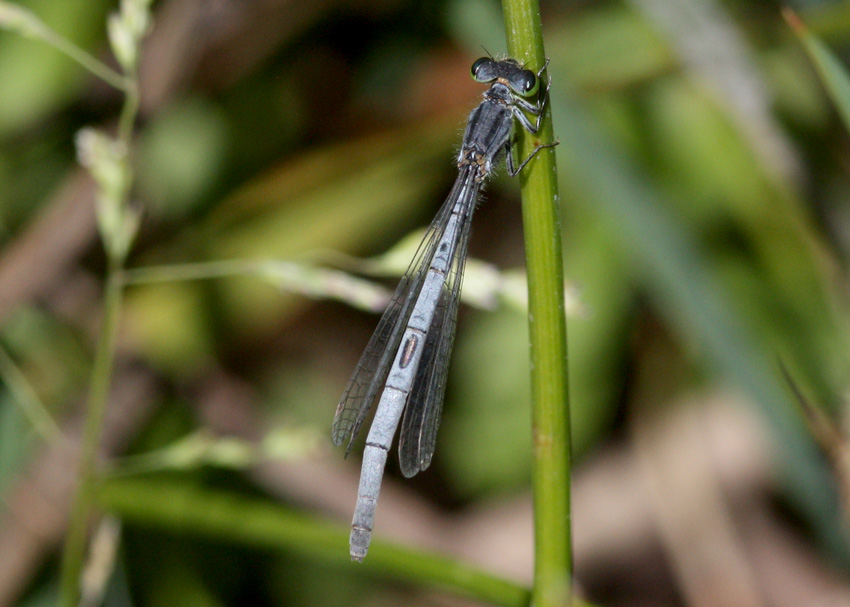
<point>484,70</point>
<point>526,83</point>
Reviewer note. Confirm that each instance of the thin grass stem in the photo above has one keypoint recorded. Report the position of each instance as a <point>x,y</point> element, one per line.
<point>547,332</point>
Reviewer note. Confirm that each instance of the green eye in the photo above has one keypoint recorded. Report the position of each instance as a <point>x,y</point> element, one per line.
<point>484,70</point>
<point>525,83</point>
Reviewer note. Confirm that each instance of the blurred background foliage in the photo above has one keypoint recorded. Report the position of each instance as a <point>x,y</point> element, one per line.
<point>704,183</point>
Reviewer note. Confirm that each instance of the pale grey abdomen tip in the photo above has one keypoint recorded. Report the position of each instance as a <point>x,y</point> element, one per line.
<point>359,543</point>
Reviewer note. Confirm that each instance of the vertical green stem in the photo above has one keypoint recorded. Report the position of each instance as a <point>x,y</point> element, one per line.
<point>75,542</point>
<point>129,111</point>
<point>547,333</point>
<point>116,245</point>
<point>126,31</point>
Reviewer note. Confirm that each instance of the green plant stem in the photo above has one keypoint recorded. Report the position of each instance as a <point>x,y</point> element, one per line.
<point>258,523</point>
<point>74,555</point>
<point>28,24</point>
<point>547,333</point>
<point>87,61</point>
<point>128,112</point>
<point>193,271</point>
<point>75,543</point>
<point>27,399</point>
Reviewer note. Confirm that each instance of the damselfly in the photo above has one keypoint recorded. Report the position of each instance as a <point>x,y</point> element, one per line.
<point>407,359</point>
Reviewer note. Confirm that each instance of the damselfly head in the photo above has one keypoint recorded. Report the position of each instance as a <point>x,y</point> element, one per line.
<point>507,71</point>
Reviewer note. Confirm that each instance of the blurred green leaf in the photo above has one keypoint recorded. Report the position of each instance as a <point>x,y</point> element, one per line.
<point>339,196</point>
<point>37,79</point>
<point>181,153</point>
<point>16,442</point>
<point>671,265</point>
<point>165,324</point>
<point>612,47</point>
<point>831,70</point>
<point>258,523</point>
